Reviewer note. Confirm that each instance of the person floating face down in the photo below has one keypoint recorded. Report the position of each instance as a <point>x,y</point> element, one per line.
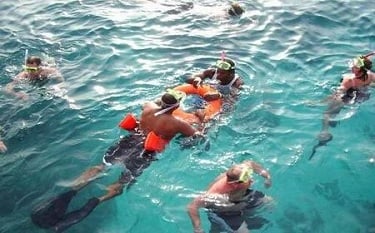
<point>150,135</point>
<point>352,89</point>
<point>33,71</point>
<point>228,197</point>
<point>223,78</point>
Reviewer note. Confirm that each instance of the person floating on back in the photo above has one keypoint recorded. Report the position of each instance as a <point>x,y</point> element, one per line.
<point>353,89</point>
<point>147,137</point>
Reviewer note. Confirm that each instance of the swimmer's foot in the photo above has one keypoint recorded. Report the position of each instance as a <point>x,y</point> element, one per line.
<point>88,176</point>
<point>113,190</point>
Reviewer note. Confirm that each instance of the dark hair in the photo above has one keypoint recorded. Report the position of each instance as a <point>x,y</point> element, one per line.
<point>235,9</point>
<point>168,99</point>
<point>233,173</point>
<point>34,59</point>
<point>367,63</point>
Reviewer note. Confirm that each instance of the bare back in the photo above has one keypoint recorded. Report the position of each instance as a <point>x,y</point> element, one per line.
<point>164,125</point>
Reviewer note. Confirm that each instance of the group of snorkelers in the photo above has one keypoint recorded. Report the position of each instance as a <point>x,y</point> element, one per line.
<point>230,197</point>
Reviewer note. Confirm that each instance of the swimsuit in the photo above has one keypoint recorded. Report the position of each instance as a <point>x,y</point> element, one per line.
<point>130,151</point>
<point>229,216</point>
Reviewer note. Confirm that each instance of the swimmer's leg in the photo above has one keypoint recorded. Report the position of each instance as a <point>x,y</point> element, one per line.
<point>76,216</point>
<point>52,211</point>
<point>88,176</point>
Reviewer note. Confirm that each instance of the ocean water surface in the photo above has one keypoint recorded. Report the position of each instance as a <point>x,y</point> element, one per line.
<point>115,55</point>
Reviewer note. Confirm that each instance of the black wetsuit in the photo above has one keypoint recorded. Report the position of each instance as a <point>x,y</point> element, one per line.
<point>129,150</point>
<point>230,221</point>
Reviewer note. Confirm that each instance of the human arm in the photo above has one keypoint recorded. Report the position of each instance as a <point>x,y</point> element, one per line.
<point>197,79</point>
<point>9,88</point>
<point>186,129</point>
<point>193,211</point>
<point>3,147</point>
<point>257,168</point>
<point>53,73</point>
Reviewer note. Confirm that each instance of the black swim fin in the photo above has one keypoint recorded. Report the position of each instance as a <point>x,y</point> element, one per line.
<point>50,212</point>
<point>76,216</point>
<point>324,138</point>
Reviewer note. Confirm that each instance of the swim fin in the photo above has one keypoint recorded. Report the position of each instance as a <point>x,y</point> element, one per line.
<point>50,212</point>
<point>76,216</point>
<point>324,137</point>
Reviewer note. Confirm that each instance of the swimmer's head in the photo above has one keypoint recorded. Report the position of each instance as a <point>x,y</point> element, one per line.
<point>32,64</point>
<point>235,10</point>
<point>361,62</point>
<point>239,174</point>
<point>33,60</point>
<point>171,99</point>
<point>225,64</point>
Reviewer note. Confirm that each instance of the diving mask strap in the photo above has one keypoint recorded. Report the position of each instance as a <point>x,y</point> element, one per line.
<point>166,109</point>
<point>233,81</point>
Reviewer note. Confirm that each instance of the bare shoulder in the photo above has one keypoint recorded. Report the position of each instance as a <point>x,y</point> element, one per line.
<point>372,76</point>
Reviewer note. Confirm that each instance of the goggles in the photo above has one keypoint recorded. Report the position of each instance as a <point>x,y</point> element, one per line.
<point>356,62</point>
<point>178,95</point>
<point>244,177</point>
<point>223,65</point>
<point>30,68</point>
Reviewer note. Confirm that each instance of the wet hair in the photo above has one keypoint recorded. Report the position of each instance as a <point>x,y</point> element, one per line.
<point>367,63</point>
<point>168,100</point>
<point>34,59</point>
<point>235,10</point>
<point>233,173</point>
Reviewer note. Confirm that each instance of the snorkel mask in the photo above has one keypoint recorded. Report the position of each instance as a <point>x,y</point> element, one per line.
<point>30,69</point>
<point>357,62</point>
<point>244,177</point>
<point>178,96</point>
<point>225,63</point>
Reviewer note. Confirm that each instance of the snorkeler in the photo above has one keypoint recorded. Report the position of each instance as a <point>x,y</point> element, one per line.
<point>34,71</point>
<point>353,89</point>
<point>156,127</point>
<point>222,75</point>
<point>229,197</point>
<point>233,10</point>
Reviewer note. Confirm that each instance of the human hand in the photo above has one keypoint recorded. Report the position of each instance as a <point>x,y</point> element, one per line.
<point>267,182</point>
<point>22,96</point>
<point>198,230</point>
<point>197,81</point>
<point>212,96</point>
<point>3,148</point>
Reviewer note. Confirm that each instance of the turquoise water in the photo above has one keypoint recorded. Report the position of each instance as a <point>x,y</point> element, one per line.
<point>114,55</point>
